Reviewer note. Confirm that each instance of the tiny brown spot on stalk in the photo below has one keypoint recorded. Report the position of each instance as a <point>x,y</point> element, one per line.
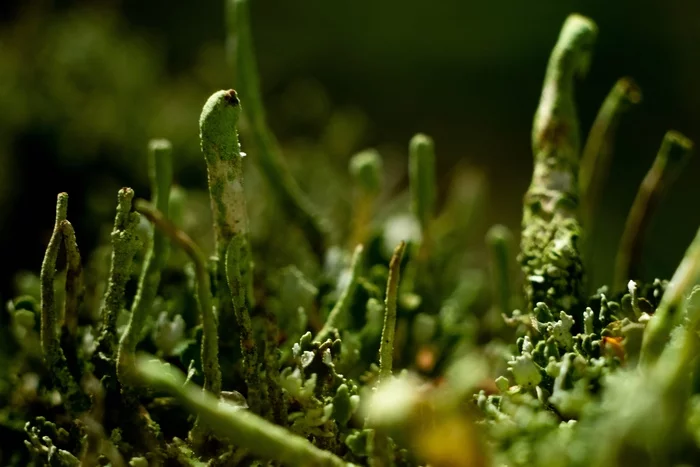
<point>231,97</point>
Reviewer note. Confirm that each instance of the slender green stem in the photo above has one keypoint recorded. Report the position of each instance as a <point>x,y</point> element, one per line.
<point>295,204</point>
<point>597,152</point>
<point>161,174</point>
<point>673,155</point>
<point>500,240</point>
<point>340,309</point>
<point>549,248</point>
<point>74,279</point>
<point>210,339</point>
<point>667,313</point>
<point>421,173</point>
<point>386,348</point>
<point>125,244</point>
<point>243,427</point>
<point>50,343</point>
<point>239,270</point>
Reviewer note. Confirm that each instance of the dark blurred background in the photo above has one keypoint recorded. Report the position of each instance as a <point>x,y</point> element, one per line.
<point>85,84</point>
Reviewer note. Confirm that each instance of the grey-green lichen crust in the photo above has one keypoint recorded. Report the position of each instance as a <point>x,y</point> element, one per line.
<point>549,251</point>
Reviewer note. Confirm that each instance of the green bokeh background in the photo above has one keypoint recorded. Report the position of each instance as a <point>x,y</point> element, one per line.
<point>84,85</point>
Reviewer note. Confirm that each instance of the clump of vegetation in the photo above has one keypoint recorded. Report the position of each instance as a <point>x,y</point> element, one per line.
<point>384,355</point>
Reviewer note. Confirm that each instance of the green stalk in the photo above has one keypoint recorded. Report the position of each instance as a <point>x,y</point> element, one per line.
<point>499,240</point>
<point>597,153</point>
<point>248,430</point>
<point>667,313</point>
<point>222,153</point>
<point>421,174</point>
<point>161,175</point>
<point>294,203</point>
<point>550,256</point>
<point>125,244</point>
<point>50,344</point>
<point>673,155</point>
<point>239,271</point>
<point>386,348</point>
<point>340,309</point>
<point>210,338</point>
<point>74,279</point>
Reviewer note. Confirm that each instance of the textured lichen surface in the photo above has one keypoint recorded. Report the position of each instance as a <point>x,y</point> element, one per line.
<point>386,347</point>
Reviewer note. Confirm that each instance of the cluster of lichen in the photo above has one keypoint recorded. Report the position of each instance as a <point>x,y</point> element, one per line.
<point>301,370</point>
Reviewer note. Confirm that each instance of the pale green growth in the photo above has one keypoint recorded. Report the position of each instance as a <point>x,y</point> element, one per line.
<point>125,244</point>
<point>386,348</point>
<point>50,344</point>
<point>421,174</point>
<point>549,248</point>
<point>293,201</point>
<point>338,314</point>
<point>210,338</point>
<point>366,170</point>
<point>248,430</point>
<point>673,155</point>
<point>597,153</point>
<point>668,313</point>
<point>239,271</point>
<point>74,279</point>
<point>161,175</point>
<point>500,242</point>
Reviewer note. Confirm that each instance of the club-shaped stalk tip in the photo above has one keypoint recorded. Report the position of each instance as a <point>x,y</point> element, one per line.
<point>366,169</point>
<point>217,124</point>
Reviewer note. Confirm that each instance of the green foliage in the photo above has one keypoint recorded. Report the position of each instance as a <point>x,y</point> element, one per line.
<point>346,363</point>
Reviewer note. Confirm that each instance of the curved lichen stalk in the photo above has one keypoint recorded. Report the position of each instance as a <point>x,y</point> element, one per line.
<point>549,250</point>
<point>210,336</point>
<point>294,203</point>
